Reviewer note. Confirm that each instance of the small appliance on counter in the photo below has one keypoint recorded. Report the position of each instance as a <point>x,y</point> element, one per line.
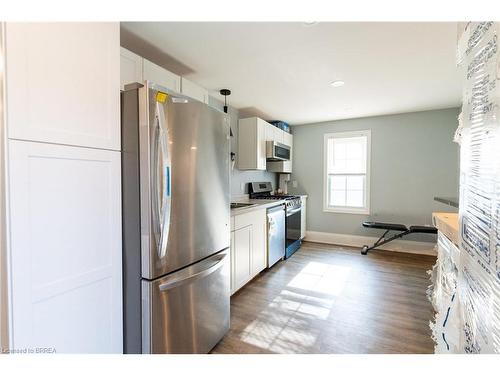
<point>293,210</point>
<point>284,179</point>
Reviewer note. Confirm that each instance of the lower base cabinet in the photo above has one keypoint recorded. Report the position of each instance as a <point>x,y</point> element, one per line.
<point>65,248</point>
<point>240,257</point>
<point>248,247</point>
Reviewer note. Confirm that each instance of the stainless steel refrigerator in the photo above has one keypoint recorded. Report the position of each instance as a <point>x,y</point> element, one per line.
<point>176,212</point>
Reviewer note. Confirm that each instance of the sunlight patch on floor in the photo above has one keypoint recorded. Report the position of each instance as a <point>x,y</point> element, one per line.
<point>322,278</point>
<point>283,326</point>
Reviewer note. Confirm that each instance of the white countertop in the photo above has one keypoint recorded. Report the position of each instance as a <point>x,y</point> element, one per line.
<point>258,204</point>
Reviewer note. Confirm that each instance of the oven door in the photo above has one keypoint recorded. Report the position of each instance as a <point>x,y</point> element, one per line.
<point>293,223</point>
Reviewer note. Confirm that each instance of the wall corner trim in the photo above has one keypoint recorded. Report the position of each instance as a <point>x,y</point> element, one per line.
<point>403,246</point>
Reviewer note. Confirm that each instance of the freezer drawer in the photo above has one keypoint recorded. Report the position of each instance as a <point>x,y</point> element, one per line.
<point>187,311</point>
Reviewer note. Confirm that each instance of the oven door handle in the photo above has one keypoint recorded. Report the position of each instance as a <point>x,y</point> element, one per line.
<point>294,211</point>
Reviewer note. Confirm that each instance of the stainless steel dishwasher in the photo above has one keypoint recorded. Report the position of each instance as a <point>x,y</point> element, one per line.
<point>276,234</point>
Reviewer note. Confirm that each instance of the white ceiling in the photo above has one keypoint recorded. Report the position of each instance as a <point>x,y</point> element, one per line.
<point>283,70</point>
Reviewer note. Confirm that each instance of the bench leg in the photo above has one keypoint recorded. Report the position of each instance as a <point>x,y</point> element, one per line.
<point>382,241</point>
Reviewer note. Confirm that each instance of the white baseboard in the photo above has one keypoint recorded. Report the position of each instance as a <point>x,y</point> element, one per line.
<point>403,246</point>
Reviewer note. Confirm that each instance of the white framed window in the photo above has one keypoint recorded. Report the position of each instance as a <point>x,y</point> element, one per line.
<point>347,172</point>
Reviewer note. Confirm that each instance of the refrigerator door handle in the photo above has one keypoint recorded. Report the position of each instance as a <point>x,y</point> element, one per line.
<point>161,181</point>
<point>190,277</point>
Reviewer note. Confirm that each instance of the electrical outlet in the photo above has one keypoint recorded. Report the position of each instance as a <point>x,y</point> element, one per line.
<point>242,187</point>
<point>294,183</point>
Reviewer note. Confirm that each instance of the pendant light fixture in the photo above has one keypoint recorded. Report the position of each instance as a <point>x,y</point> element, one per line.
<point>226,93</point>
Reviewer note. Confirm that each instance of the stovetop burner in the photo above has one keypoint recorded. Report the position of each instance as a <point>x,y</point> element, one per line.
<point>262,190</point>
<point>276,196</point>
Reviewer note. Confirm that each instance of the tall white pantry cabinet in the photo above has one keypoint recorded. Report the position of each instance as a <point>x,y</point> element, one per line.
<point>63,186</point>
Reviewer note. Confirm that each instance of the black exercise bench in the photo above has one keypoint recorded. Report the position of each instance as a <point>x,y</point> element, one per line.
<point>402,229</point>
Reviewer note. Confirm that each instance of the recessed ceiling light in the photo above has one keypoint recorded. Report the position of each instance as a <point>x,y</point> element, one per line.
<point>337,83</point>
<point>309,23</point>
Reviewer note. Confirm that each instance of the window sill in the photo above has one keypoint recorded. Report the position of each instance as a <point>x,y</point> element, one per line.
<point>340,210</point>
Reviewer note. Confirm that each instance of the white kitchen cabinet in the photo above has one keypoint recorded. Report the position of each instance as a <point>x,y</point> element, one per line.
<point>287,139</point>
<point>240,257</point>
<point>282,166</point>
<point>65,248</point>
<point>252,144</point>
<point>303,215</point>
<point>269,131</point>
<point>161,76</point>
<point>193,90</point>
<point>273,133</point>
<point>63,82</point>
<point>248,247</point>
<point>130,67</point>
<point>252,137</point>
<point>278,135</point>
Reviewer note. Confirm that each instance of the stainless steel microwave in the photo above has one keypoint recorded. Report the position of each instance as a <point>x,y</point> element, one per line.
<point>277,151</point>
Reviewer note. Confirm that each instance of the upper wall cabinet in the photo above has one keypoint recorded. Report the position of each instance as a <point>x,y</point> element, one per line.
<point>191,89</point>
<point>134,68</point>
<point>161,76</point>
<point>274,133</point>
<point>130,67</point>
<point>63,82</point>
<point>253,133</point>
<point>287,139</point>
<point>252,143</point>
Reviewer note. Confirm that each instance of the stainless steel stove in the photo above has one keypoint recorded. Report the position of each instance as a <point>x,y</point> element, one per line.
<point>293,203</point>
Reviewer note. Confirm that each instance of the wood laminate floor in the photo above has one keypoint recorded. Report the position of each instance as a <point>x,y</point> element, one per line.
<point>327,299</point>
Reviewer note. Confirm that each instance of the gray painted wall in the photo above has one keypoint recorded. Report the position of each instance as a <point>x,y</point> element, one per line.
<point>413,159</point>
<point>241,177</point>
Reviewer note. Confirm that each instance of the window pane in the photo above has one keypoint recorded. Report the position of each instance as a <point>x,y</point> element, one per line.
<point>346,158</point>
<point>338,182</point>
<point>355,198</point>
<point>338,166</point>
<point>355,182</point>
<point>354,166</point>
<point>337,198</point>
<point>355,147</point>
<point>347,155</point>
<point>339,149</point>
